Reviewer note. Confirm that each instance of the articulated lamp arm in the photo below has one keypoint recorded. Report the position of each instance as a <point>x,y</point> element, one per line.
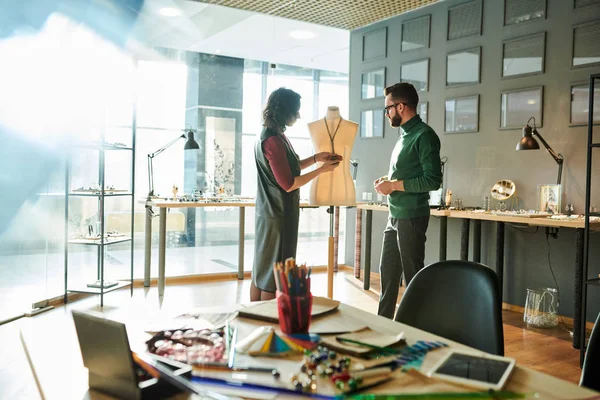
<point>558,158</point>
<point>150,167</point>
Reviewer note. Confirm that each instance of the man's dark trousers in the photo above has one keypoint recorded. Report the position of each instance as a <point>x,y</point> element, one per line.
<point>403,251</point>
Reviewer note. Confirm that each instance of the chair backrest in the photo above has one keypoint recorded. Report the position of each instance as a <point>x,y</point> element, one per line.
<point>458,300</point>
<point>590,374</point>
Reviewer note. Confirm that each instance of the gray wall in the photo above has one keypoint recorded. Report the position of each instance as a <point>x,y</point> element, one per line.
<point>477,160</point>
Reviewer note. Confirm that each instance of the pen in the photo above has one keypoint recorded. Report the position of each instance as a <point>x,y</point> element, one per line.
<point>232,344</point>
<point>223,367</point>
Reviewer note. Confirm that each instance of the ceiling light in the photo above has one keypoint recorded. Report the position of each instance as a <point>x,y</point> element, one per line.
<point>170,11</point>
<point>302,35</point>
<point>531,102</point>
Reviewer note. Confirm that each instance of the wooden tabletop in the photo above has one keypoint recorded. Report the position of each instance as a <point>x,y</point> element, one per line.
<point>63,375</point>
<point>196,204</point>
<point>522,380</point>
<point>384,207</point>
<point>578,222</point>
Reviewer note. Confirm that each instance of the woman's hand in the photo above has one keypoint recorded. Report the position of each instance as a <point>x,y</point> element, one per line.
<point>328,158</point>
<point>329,166</point>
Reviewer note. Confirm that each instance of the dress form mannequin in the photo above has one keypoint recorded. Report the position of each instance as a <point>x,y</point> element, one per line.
<point>336,135</point>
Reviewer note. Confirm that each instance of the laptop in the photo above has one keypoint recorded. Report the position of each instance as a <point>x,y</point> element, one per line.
<point>106,354</point>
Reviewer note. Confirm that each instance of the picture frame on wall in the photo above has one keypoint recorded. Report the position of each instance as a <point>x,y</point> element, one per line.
<point>416,73</point>
<point>371,124</point>
<point>580,105</point>
<point>585,45</point>
<point>518,105</point>
<point>465,19</point>
<point>524,56</point>
<point>416,33</point>
<point>521,11</point>
<point>463,67</point>
<point>374,45</point>
<point>372,84</point>
<point>462,114</point>
<point>423,111</point>
<point>584,3</point>
<point>550,198</point>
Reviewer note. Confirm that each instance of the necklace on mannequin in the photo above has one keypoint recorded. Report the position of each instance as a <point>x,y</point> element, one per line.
<point>331,138</point>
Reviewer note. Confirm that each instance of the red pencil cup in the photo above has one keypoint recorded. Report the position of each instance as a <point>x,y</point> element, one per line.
<point>294,313</point>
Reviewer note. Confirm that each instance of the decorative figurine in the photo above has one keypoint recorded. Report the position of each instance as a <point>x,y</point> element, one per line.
<point>448,198</point>
<point>502,206</point>
<point>569,209</point>
<point>175,190</point>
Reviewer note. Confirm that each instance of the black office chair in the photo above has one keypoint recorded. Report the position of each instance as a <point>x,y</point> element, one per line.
<point>458,300</point>
<point>590,375</point>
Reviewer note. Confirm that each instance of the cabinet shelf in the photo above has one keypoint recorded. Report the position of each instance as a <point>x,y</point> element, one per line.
<point>85,289</point>
<point>96,242</point>
<point>593,282</point>
<point>110,154</point>
<point>97,194</point>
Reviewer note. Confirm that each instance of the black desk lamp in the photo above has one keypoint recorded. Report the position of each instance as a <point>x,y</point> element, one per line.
<point>190,144</point>
<point>528,142</point>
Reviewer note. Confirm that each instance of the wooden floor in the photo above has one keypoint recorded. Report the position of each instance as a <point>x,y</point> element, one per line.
<point>50,331</point>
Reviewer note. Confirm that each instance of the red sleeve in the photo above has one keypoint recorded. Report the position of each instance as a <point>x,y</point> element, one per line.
<point>275,151</point>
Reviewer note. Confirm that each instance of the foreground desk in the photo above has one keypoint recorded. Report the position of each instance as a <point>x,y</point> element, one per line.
<point>70,380</point>
<point>500,220</point>
<point>164,206</point>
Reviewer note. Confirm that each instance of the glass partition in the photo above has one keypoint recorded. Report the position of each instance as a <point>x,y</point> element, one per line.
<point>87,90</point>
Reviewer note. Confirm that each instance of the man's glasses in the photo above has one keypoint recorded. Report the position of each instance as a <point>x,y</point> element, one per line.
<point>386,109</point>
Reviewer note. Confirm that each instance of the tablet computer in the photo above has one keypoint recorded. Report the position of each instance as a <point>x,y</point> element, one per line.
<point>479,370</point>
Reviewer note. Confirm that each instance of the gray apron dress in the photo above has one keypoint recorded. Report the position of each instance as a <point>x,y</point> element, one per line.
<point>277,216</point>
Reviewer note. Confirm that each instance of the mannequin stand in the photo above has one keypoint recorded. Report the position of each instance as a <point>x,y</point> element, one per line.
<point>330,253</point>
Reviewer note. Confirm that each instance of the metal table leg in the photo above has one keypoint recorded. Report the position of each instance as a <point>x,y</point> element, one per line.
<point>358,243</point>
<point>464,239</point>
<point>368,228</point>
<point>242,235</point>
<point>477,240</point>
<point>162,244</point>
<point>500,255</point>
<point>579,282</point>
<point>148,247</point>
<point>443,237</point>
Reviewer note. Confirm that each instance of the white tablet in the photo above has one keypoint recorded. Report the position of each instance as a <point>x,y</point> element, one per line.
<point>479,370</point>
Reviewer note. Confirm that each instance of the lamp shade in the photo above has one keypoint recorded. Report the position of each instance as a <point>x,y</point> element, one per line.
<point>190,143</point>
<point>528,142</point>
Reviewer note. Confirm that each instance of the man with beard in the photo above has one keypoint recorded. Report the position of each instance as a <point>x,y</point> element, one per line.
<point>415,170</point>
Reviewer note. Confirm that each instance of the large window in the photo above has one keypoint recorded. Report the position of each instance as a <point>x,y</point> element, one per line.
<point>170,101</point>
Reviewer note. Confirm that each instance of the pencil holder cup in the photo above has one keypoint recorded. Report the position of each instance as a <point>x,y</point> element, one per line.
<point>294,312</point>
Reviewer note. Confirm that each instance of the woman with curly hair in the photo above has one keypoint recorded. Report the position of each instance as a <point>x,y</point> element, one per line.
<point>277,192</point>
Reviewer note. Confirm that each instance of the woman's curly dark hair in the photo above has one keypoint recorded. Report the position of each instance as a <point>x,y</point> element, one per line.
<point>282,106</point>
